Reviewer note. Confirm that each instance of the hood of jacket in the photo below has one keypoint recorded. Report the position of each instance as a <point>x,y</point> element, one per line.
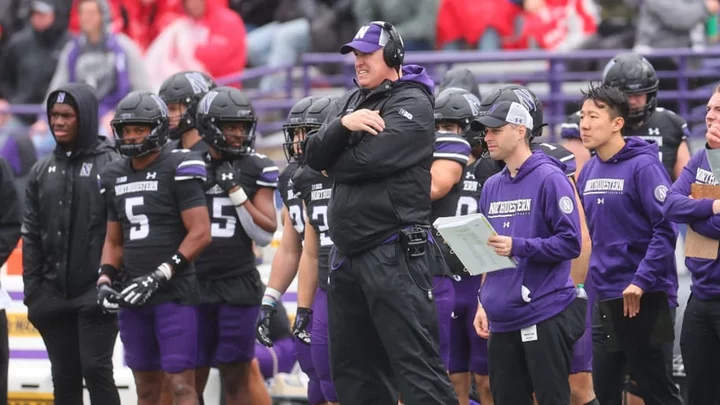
<point>536,159</point>
<point>87,115</point>
<point>418,75</point>
<point>633,147</point>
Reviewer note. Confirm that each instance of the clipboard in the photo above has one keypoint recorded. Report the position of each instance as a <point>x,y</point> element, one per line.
<point>696,245</point>
<point>653,325</point>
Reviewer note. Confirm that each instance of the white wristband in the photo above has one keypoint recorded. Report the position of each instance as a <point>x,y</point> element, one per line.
<point>166,271</point>
<point>271,292</point>
<point>238,197</point>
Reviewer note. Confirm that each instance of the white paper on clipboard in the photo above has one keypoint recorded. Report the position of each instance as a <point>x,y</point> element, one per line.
<point>467,236</point>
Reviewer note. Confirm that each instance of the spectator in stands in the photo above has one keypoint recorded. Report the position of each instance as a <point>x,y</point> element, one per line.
<point>556,24</point>
<point>255,13</point>
<point>668,23</point>
<point>14,15</point>
<point>31,56</point>
<point>480,24</point>
<point>8,123</point>
<point>143,20</point>
<point>616,30</point>
<point>114,16</point>
<point>108,62</point>
<point>299,26</point>
<point>209,38</point>
<point>414,18</point>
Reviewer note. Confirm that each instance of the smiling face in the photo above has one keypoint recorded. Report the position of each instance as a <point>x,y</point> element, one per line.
<point>371,69</point>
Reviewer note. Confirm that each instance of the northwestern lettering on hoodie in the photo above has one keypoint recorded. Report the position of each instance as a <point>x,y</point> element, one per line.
<point>537,209</point>
<point>698,214</point>
<point>632,243</point>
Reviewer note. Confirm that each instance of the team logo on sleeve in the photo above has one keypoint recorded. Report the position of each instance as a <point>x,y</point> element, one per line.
<point>566,205</point>
<point>660,193</point>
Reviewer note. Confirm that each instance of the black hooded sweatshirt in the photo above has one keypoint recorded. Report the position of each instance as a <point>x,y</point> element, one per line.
<point>460,78</point>
<point>64,225</point>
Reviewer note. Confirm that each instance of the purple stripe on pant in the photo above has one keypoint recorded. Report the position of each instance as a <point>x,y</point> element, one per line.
<point>468,351</point>
<point>444,295</point>
<point>159,337</point>
<point>582,350</point>
<point>226,334</point>
<point>304,358</point>
<point>319,348</point>
<point>284,351</point>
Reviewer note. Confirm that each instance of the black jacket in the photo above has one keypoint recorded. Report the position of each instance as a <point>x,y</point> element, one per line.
<point>9,212</point>
<point>64,225</point>
<point>382,183</point>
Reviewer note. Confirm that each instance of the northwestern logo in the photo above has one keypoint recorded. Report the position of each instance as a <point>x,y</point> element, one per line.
<point>86,169</point>
<point>526,99</point>
<point>161,104</point>
<point>362,31</point>
<point>206,102</point>
<point>197,82</point>
<point>60,97</point>
<point>510,208</point>
<point>601,186</point>
<point>473,102</point>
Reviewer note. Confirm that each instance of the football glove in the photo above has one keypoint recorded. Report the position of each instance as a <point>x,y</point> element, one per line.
<point>142,288</point>
<point>302,322</point>
<point>263,325</point>
<point>228,178</point>
<point>108,299</point>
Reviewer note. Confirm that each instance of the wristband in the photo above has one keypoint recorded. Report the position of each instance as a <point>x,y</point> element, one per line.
<point>238,197</point>
<point>164,271</point>
<point>178,262</point>
<point>271,296</point>
<point>108,270</point>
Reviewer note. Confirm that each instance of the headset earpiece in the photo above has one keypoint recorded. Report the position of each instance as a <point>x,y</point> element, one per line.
<point>394,51</point>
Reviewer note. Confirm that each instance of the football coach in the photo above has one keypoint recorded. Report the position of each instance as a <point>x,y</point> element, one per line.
<point>377,146</point>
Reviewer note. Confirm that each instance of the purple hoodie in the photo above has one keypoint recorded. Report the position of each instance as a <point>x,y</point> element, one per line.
<point>537,209</point>
<point>632,243</point>
<point>417,74</point>
<point>699,215</point>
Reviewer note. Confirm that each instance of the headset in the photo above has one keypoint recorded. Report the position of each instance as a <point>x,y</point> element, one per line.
<point>394,51</point>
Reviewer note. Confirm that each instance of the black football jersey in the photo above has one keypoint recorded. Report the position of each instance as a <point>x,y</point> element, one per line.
<point>148,204</point>
<point>560,153</point>
<point>448,146</point>
<point>452,147</point>
<point>231,251</point>
<point>291,199</point>
<point>315,189</point>
<point>664,127</point>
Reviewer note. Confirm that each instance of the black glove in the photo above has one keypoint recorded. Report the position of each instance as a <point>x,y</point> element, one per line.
<point>263,324</point>
<point>302,321</point>
<point>142,288</point>
<point>108,299</point>
<point>227,177</point>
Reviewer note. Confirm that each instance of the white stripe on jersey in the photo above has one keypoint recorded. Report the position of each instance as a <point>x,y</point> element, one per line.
<point>450,139</point>
<point>452,156</point>
<point>569,125</point>
<point>181,178</point>
<point>266,184</point>
<point>192,162</point>
<point>271,169</point>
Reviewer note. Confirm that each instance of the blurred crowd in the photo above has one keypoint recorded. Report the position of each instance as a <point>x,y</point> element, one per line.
<point>118,46</point>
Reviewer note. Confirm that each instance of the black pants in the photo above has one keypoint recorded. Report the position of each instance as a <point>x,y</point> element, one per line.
<point>383,330</point>
<point>650,367</point>
<point>4,358</point>
<point>517,368</point>
<point>700,345</point>
<point>79,339</point>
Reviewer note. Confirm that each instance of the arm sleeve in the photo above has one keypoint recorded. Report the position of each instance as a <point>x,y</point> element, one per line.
<point>678,15</point>
<point>269,175</point>
<point>652,179</point>
<point>709,228</point>
<point>188,185</point>
<point>558,205</point>
<point>407,140</point>
<point>678,207</point>
<point>451,147</point>
<point>322,148</point>
<point>32,252</point>
<point>9,214</point>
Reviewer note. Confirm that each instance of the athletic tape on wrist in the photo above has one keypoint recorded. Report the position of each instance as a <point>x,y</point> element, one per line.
<point>108,270</point>
<point>165,270</point>
<point>238,197</point>
<point>271,296</point>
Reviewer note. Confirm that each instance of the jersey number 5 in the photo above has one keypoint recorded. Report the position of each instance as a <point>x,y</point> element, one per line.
<point>223,226</point>
<point>140,228</point>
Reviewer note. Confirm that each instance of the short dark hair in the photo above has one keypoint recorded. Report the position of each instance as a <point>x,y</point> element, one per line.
<point>612,98</point>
